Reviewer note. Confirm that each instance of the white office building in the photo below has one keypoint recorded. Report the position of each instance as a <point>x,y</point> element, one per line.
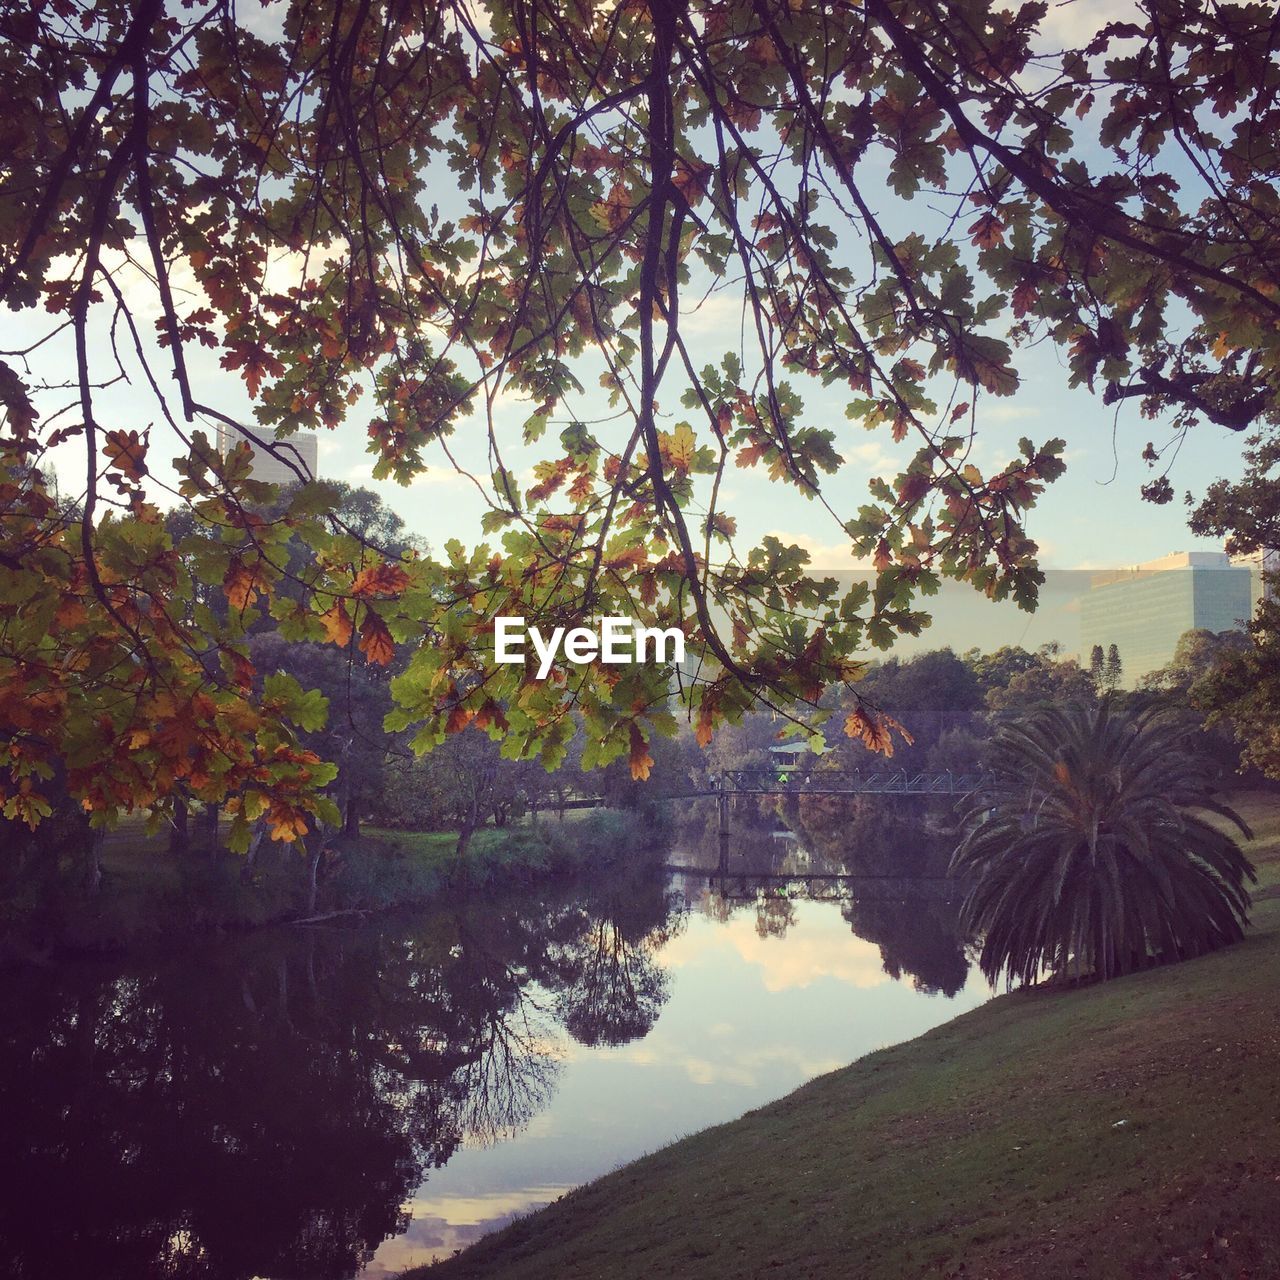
<point>280,458</point>
<point>1144,610</point>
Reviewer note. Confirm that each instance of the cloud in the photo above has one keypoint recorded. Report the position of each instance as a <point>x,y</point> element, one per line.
<point>1070,23</point>
<point>719,317</point>
<point>440,1225</point>
<point>815,948</point>
<point>1008,412</point>
<point>443,478</point>
<point>822,555</point>
<point>727,1063</point>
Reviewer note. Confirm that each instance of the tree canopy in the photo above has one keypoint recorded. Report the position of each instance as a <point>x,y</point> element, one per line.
<point>392,216</point>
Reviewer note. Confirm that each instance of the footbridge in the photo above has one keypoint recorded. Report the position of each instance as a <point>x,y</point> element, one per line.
<point>797,779</point>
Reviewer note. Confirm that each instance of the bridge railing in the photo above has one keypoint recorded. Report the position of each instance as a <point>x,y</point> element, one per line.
<point>795,778</point>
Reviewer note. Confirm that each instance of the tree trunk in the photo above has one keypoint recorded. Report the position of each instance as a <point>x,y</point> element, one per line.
<point>211,812</point>
<point>351,819</point>
<point>180,832</point>
<point>93,866</point>
<point>251,854</point>
<point>314,853</point>
<point>464,841</point>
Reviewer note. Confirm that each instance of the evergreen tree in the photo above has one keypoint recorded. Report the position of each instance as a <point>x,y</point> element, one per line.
<point>1096,661</point>
<point>1115,668</point>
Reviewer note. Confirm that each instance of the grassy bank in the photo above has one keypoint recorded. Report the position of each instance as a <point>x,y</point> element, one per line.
<point>1127,1130</point>
<point>149,896</point>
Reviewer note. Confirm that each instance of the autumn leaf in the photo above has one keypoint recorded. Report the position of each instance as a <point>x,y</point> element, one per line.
<point>876,730</point>
<point>987,232</point>
<point>337,624</point>
<point>286,822</point>
<point>375,640</point>
<point>704,726</point>
<point>679,446</point>
<point>721,525</point>
<point>458,719</point>
<point>382,579</point>
<point>126,451</point>
<point>239,583</point>
<point>256,361</point>
<point>29,806</point>
<point>640,760</point>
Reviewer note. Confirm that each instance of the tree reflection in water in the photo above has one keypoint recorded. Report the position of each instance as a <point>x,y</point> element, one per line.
<point>609,986</point>
<point>895,861</point>
<point>266,1106</point>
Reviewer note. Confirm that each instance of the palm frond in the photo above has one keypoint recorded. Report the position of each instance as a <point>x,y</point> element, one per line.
<point>1086,851</point>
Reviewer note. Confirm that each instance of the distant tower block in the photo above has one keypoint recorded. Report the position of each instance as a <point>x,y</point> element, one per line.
<point>1264,568</point>
<point>293,454</point>
<point>1144,610</point>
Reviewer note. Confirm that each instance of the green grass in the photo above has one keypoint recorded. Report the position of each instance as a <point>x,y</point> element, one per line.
<point>1127,1130</point>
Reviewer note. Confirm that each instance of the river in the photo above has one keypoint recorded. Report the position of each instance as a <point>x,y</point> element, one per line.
<point>333,1101</point>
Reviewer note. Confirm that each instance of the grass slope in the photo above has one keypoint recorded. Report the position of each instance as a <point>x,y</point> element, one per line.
<point>1126,1130</point>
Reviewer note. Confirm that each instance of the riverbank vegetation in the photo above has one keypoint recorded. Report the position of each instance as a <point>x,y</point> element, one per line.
<point>1084,852</point>
<point>149,898</point>
<point>1127,1129</point>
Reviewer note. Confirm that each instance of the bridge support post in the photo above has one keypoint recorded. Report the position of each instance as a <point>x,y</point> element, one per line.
<point>722,825</point>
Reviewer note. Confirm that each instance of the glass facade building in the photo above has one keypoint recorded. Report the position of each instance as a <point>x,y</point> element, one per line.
<point>1144,611</point>
<point>299,451</point>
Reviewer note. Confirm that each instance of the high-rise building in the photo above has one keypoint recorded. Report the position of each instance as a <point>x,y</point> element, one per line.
<point>296,453</point>
<point>1144,610</point>
<point>1263,566</point>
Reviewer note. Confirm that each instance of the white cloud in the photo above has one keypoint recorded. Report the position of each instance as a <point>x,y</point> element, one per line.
<point>822,555</point>
<point>821,949</point>
<point>1070,23</point>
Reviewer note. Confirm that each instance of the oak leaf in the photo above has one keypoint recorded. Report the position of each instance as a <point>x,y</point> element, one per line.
<point>375,640</point>
<point>380,580</point>
<point>126,451</point>
<point>640,760</point>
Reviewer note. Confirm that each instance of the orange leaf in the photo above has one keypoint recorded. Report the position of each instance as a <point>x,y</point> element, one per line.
<point>238,583</point>
<point>380,580</point>
<point>490,713</point>
<point>286,822</point>
<point>375,640</point>
<point>987,231</point>
<point>127,452</point>
<point>337,624</point>
<point>458,720</point>
<point>876,730</point>
<point>641,760</point>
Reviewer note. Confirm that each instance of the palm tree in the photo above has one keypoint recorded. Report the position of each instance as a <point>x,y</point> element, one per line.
<point>1084,855</point>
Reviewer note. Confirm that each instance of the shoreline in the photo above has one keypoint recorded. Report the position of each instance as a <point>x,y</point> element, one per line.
<point>151,903</point>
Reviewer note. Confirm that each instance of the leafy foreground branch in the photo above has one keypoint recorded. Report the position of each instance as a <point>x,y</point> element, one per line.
<point>412,212</point>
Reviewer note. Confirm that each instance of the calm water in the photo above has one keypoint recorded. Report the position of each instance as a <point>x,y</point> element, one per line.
<point>333,1102</point>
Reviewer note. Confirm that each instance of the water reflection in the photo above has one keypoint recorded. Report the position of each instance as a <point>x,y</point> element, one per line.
<point>282,1104</point>
<point>267,1107</point>
<point>884,860</point>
